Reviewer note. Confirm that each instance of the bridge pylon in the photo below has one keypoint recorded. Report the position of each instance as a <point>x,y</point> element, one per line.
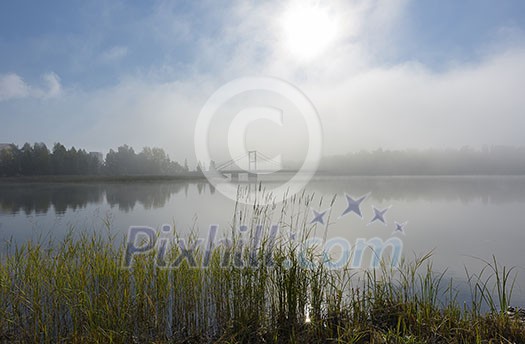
<point>252,161</point>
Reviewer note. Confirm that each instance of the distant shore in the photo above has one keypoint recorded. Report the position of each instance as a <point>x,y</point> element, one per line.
<point>196,176</point>
<point>98,178</point>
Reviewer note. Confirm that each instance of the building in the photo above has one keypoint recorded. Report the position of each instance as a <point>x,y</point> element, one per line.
<point>5,146</point>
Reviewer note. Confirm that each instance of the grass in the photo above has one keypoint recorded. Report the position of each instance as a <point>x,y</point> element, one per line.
<point>77,291</point>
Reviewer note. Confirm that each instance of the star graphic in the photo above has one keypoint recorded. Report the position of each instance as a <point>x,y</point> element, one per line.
<point>318,216</point>
<point>400,227</point>
<point>353,205</point>
<point>379,215</point>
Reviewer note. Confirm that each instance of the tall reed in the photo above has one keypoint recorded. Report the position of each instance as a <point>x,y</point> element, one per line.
<point>76,290</point>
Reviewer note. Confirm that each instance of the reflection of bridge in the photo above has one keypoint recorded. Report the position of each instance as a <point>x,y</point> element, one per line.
<point>251,164</point>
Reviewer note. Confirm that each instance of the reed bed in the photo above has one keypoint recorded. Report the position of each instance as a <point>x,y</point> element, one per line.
<point>77,291</point>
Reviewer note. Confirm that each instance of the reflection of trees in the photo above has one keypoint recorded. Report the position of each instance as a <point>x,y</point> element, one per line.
<point>72,197</point>
<point>201,187</point>
<point>39,198</point>
<point>149,195</point>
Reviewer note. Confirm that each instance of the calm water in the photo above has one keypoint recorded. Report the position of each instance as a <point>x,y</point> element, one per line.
<point>460,218</point>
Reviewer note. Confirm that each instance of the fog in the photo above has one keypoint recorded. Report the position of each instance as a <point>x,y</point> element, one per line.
<point>370,86</point>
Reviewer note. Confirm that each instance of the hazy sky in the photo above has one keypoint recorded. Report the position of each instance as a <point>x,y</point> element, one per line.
<point>393,74</point>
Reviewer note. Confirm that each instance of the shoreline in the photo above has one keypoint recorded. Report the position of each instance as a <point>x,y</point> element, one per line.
<point>197,177</point>
<point>97,179</point>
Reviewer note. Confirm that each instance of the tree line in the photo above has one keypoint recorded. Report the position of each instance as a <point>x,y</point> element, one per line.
<point>37,160</point>
<point>489,160</point>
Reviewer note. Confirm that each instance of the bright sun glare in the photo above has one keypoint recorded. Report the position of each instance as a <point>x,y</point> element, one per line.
<point>308,31</point>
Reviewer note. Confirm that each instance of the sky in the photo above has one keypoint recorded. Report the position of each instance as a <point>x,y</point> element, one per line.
<point>396,74</point>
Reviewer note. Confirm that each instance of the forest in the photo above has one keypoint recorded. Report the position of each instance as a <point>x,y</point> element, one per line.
<point>38,160</point>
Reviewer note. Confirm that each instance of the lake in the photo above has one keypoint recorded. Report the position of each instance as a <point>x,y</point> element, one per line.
<point>462,219</point>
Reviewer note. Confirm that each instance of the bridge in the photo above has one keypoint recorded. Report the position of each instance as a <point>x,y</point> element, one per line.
<point>251,164</point>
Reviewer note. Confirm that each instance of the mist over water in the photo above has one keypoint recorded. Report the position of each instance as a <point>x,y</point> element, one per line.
<point>461,219</point>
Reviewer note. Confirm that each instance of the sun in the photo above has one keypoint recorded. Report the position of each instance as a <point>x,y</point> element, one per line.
<point>308,31</point>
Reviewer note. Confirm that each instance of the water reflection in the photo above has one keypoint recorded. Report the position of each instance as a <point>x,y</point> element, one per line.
<point>448,215</point>
<point>43,198</point>
<point>38,198</point>
<point>490,190</point>
<point>148,195</point>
